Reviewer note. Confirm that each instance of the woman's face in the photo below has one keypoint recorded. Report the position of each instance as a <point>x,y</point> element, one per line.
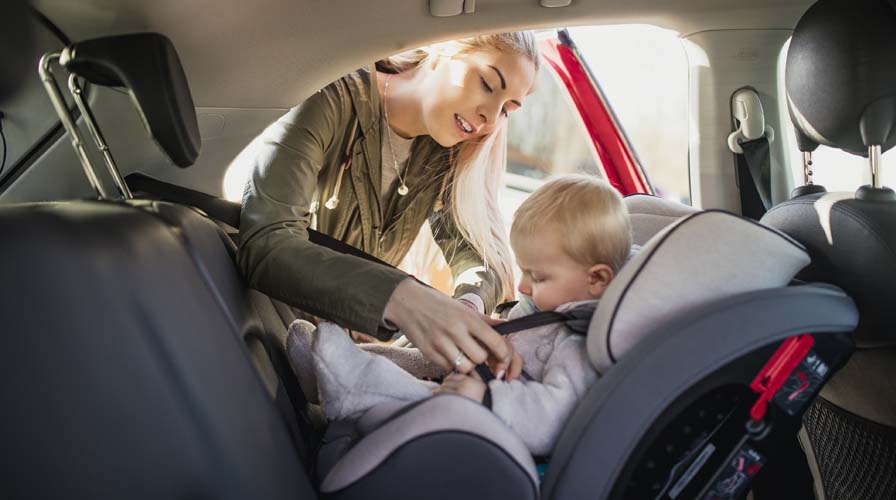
<point>466,96</point>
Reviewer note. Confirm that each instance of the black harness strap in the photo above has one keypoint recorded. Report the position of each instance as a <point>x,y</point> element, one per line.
<point>535,320</point>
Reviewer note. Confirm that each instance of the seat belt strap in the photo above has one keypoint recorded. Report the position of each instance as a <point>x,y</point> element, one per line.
<point>754,177</point>
<point>541,318</point>
<point>228,212</point>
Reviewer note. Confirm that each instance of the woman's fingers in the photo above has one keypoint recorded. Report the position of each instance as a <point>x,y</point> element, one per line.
<point>443,328</point>
<point>465,342</point>
<point>516,367</point>
<point>458,359</point>
<point>492,340</point>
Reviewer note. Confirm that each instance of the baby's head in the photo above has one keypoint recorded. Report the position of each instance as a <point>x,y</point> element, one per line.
<point>570,238</point>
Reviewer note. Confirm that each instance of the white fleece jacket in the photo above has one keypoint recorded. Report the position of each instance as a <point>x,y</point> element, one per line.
<point>557,360</point>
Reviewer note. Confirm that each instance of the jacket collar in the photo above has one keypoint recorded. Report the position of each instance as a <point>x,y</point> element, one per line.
<point>365,97</point>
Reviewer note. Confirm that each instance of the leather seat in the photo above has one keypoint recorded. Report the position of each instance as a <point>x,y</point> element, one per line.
<point>122,377</point>
<point>140,365</point>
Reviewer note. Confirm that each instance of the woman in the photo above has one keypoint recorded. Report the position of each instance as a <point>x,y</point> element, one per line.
<point>373,156</point>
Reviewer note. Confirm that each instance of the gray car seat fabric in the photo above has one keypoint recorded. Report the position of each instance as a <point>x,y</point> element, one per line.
<point>650,214</point>
<point>670,275</point>
<point>682,354</point>
<point>439,415</point>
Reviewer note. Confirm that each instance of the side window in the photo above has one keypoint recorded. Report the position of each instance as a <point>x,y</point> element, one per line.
<point>840,171</point>
<point>545,138</point>
<point>643,71</point>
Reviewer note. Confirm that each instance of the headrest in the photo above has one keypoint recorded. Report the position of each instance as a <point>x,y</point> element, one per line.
<point>703,257</point>
<point>840,79</point>
<point>147,64</point>
<point>650,214</point>
<point>16,40</point>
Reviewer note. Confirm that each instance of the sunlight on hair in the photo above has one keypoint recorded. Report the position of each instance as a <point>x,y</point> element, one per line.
<point>456,72</point>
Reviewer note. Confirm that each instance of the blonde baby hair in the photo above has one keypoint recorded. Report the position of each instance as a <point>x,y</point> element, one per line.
<point>585,212</point>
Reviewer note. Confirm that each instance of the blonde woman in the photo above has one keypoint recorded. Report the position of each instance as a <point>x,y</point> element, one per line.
<point>370,158</point>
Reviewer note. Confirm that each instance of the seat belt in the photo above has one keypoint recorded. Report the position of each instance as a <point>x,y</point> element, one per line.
<point>576,320</point>
<point>754,178</point>
<point>227,212</point>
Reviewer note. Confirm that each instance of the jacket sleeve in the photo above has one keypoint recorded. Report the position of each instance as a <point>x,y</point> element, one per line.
<point>537,411</point>
<point>467,267</point>
<point>274,253</point>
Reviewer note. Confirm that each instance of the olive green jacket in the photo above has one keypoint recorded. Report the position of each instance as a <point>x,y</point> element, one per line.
<point>299,157</point>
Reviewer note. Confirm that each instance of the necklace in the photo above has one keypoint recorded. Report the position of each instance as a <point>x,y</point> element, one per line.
<point>403,188</point>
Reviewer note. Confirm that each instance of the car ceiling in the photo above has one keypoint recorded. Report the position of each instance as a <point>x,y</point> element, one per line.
<point>273,53</point>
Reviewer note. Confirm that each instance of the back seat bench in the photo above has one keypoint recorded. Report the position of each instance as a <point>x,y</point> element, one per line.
<point>123,367</point>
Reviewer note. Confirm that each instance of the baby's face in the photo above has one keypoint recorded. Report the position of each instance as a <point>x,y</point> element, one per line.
<point>549,276</point>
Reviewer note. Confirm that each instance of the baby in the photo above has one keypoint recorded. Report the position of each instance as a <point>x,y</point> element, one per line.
<point>570,238</point>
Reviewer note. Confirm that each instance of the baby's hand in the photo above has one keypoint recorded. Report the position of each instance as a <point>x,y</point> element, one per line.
<point>469,386</point>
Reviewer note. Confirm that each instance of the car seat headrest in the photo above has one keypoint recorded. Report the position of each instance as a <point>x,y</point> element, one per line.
<point>650,214</point>
<point>147,64</point>
<point>703,257</point>
<point>840,80</point>
<point>16,41</point>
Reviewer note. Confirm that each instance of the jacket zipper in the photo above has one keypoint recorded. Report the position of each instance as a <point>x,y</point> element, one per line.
<point>377,231</point>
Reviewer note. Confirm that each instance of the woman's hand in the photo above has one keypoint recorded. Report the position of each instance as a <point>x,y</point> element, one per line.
<point>448,333</point>
<point>500,368</point>
<point>469,386</point>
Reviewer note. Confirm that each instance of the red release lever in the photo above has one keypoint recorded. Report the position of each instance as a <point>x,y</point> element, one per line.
<point>775,372</point>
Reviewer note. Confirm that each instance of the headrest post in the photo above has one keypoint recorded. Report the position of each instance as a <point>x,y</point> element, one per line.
<point>46,76</point>
<point>874,159</point>
<point>807,168</point>
<point>77,93</point>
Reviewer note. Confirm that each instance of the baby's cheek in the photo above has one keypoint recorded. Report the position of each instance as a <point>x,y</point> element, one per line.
<point>543,300</point>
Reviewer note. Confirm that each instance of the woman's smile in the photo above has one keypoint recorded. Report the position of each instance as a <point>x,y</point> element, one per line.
<point>463,126</point>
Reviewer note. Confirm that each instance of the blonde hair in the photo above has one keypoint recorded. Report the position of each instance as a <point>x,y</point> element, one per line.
<point>477,169</point>
<point>586,212</point>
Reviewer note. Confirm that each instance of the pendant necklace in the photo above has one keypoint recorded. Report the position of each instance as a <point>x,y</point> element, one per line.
<point>402,188</point>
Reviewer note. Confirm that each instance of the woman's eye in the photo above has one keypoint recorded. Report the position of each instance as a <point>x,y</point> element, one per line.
<point>485,84</point>
<point>504,111</point>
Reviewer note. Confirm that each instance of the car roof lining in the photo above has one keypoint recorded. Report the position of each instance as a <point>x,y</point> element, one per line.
<point>216,42</point>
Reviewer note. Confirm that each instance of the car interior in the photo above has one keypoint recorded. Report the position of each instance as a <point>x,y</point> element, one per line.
<point>744,352</point>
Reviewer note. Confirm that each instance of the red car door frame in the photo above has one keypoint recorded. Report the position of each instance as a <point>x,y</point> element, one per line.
<point>620,164</point>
